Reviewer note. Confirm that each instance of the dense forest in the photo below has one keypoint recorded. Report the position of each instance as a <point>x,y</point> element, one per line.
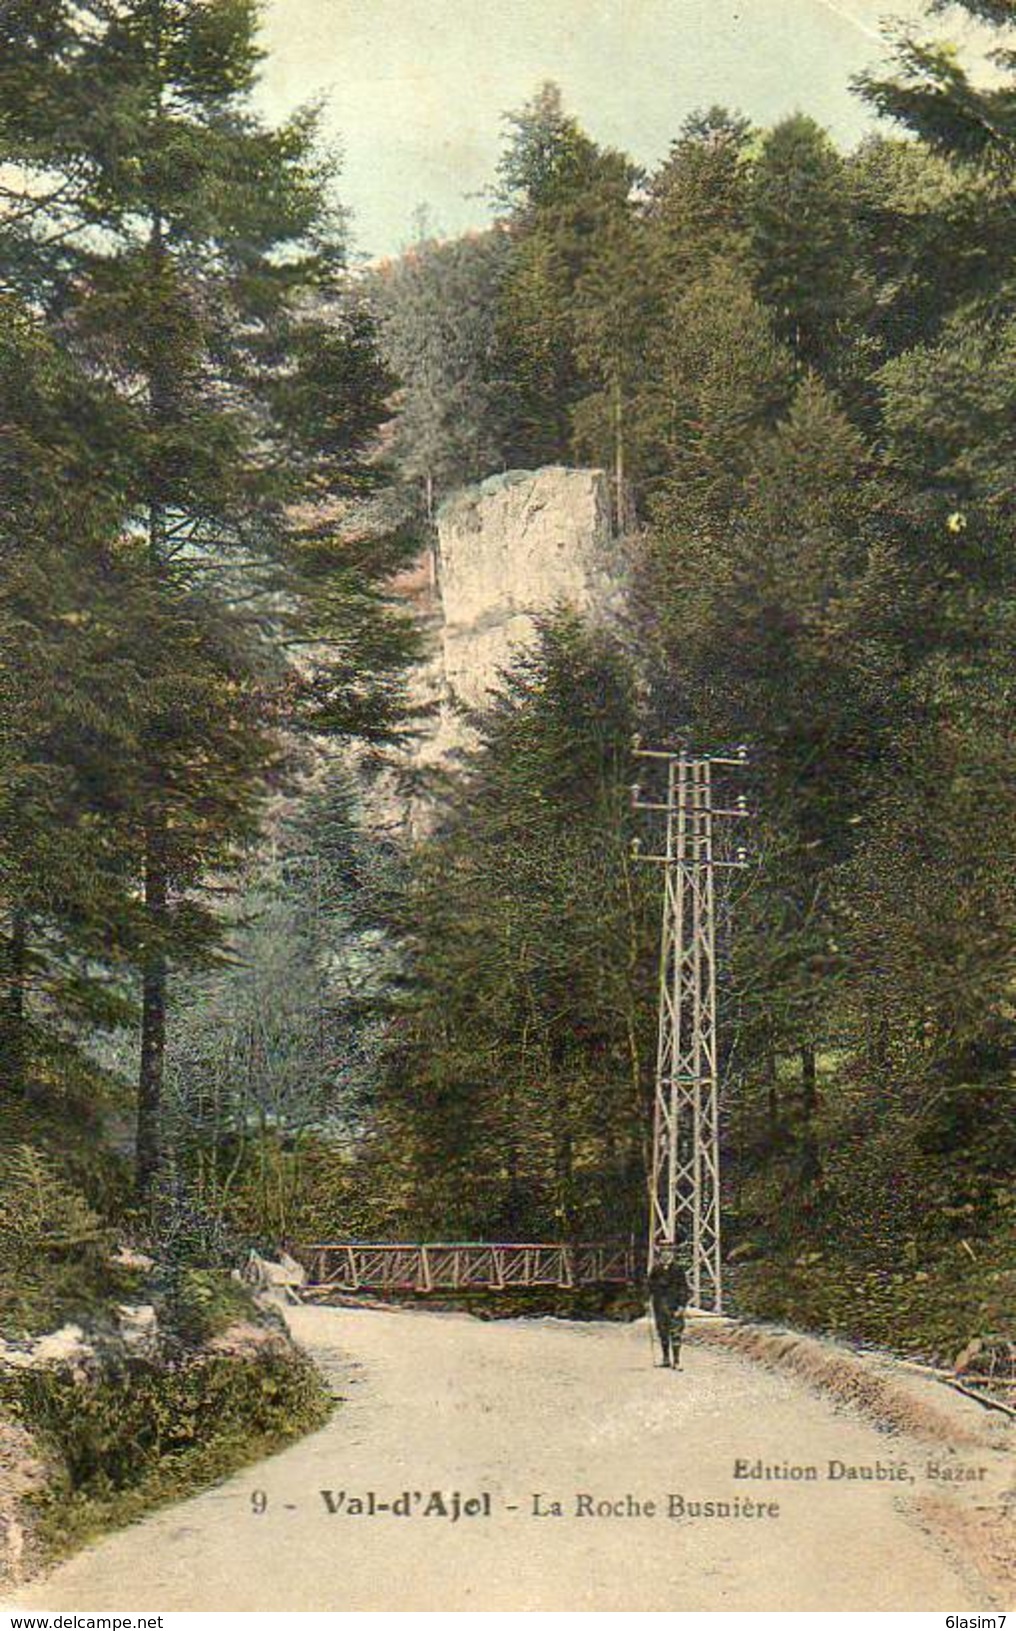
<point>233,1013</point>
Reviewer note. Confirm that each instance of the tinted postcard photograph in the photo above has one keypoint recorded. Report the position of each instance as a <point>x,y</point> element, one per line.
<point>507,806</point>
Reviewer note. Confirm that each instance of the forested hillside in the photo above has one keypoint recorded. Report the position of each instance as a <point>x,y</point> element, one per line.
<point>188,390</point>
<point>794,362</point>
<point>230,1012</point>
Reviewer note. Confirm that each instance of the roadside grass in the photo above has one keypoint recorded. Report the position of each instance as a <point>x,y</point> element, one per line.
<point>145,1434</point>
<point>39,1297</point>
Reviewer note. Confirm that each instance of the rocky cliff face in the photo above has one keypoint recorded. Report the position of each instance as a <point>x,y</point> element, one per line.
<point>510,549</point>
<point>514,547</point>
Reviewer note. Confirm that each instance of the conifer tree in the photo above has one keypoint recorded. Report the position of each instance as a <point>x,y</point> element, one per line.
<point>918,245</point>
<point>68,733</point>
<point>960,234</point>
<point>764,552</point>
<point>515,1094</point>
<point>614,306</point>
<point>547,157</point>
<point>802,243</point>
<point>722,381</point>
<point>698,198</point>
<point>934,96</point>
<point>947,423</point>
<point>566,197</point>
<point>437,310</point>
<point>187,250</point>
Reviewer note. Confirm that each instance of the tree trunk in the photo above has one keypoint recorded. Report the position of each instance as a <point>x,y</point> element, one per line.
<point>809,1081</point>
<point>12,1016</point>
<point>148,1149</point>
<point>877,1040</point>
<point>148,1146</point>
<point>511,1208</point>
<point>619,504</point>
<point>564,1161</point>
<point>772,1089</point>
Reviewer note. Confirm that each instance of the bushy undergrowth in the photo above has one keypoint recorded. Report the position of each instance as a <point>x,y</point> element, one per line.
<point>303,1187</point>
<point>145,1433</point>
<point>906,1235</point>
<point>196,1304</point>
<point>69,1133</point>
<point>54,1247</point>
<point>620,1303</point>
<point>126,1433</point>
<point>930,1313</point>
<point>41,1297</point>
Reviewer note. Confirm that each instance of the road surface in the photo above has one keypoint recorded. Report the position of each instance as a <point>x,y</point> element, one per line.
<point>518,1416</point>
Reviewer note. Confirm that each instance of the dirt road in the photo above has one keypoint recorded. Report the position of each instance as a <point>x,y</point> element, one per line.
<point>504,1413</point>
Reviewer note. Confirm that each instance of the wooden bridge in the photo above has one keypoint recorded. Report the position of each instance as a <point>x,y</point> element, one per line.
<point>356,1265</point>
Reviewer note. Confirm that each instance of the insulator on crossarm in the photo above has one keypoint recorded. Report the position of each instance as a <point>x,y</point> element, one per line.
<point>742,752</point>
<point>636,847</point>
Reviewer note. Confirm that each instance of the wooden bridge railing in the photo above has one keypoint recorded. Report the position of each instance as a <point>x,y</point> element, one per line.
<point>355,1265</point>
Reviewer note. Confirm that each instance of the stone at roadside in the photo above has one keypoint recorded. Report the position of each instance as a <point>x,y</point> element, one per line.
<point>280,1279</point>
<point>55,1348</point>
<point>965,1358</point>
<point>22,1473</point>
<point>139,1328</point>
<point>125,1257</point>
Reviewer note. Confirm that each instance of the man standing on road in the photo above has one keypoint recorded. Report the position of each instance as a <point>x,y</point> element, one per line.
<point>668,1293</point>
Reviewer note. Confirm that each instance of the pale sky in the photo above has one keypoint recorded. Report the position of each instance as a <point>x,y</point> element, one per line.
<point>416,88</point>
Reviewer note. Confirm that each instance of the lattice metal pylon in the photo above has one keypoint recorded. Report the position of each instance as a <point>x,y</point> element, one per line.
<point>684,1183</point>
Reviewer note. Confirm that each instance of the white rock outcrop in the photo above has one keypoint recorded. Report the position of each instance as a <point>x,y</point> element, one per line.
<point>66,1346</point>
<point>514,547</point>
<point>509,550</point>
<point>139,1328</point>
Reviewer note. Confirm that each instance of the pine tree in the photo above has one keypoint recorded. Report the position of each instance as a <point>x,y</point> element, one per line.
<point>938,889</point>
<point>917,238</point>
<point>566,197</point>
<point>438,312</point>
<point>187,250</point>
<point>947,423</point>
<point>698,198</point>
<point>515,1095</point>
<point>803,244</point>
<point>547,156</point>
<point>762,589</point>
<point>69,732</point>
<point>614,306</point>
<point>722,381</point>
<point>934,96</point>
